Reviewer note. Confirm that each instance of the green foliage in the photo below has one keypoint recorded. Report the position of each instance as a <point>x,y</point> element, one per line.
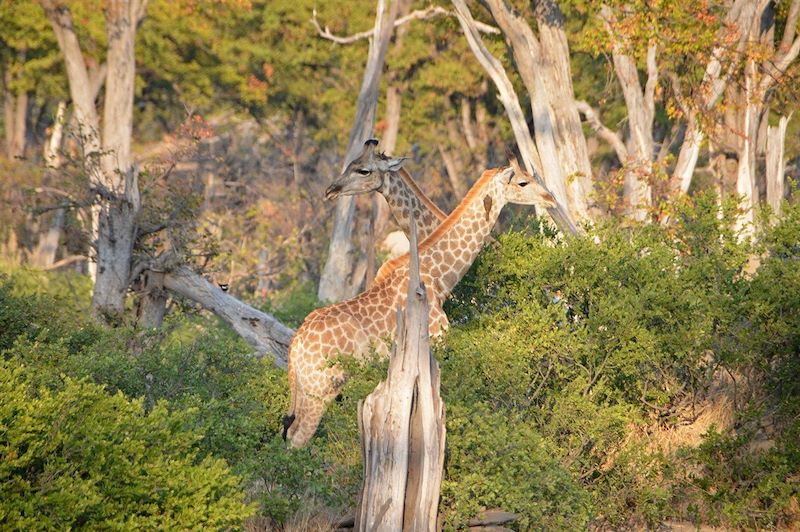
<point>563,362</point>
<point>588,343</point>
<point>497,459</point>
<point>80,457</point>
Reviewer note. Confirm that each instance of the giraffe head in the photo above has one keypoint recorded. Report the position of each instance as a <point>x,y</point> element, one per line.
<point>365,173</point>
<point>522,188</point>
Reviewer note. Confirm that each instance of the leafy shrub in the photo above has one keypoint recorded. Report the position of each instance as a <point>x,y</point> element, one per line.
<point>80,457</point>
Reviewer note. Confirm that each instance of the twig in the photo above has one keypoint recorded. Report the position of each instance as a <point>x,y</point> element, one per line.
<point>65,261</point>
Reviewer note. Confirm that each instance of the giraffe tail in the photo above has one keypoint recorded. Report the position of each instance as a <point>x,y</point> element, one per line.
<point>289,418</point>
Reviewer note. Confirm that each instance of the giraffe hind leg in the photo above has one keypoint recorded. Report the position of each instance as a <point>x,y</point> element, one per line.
<point>307,418</point>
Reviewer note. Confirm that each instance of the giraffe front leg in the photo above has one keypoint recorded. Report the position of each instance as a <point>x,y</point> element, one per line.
<point>306,420</point>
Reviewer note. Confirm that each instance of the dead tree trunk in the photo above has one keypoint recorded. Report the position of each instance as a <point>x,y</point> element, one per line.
<point>402,426</point>
<point>259,329</point>
<point>336,280</point>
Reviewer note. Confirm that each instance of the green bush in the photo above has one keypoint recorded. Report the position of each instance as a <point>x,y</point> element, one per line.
<point>561,361</point>
<point>80,457</point>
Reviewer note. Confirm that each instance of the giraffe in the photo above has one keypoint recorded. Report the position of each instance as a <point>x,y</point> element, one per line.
<point>375,171</point>
<point>362,323</point>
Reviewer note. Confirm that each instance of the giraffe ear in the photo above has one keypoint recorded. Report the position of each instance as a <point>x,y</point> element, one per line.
<point>395,164</point>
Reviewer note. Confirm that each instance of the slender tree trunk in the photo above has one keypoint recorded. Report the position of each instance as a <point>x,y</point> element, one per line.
<point>745,176</point>
<point>776,164</point>
<point>467,125</point>
<point>15,113</point>
<point>44,256</point>
<point>336,282</point>
<point>453,173</point>
<point>379,215</point>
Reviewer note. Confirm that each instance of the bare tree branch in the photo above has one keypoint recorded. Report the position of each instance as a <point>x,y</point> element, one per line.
<point>259,329</point>
<point>419,14</point>
<point>65,262</point>
<point>604,132</point>
<point>791,26</point>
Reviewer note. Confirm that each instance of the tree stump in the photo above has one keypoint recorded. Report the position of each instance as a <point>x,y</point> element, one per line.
<point>402,426</point>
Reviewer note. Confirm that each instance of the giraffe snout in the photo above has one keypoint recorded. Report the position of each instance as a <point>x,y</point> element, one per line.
<point>333,191</point>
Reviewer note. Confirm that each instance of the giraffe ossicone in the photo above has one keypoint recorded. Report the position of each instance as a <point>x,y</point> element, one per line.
<point>356,326</point>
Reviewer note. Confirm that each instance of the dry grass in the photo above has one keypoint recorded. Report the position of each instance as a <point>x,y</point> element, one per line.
<point>717,409</point>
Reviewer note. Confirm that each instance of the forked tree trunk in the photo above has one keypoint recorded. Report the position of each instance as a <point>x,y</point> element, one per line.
<point>336,282</point>
<point>508,97</point>
<point>776,164</point>
<point>402,426</point>
<point>107,153</point>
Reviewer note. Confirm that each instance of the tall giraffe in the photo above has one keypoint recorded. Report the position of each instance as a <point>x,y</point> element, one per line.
<point>363,322</point>
<point>374,171</point>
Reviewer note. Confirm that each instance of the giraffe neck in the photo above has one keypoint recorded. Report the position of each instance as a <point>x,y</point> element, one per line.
<point>449,252</point>
<point>406,199</point>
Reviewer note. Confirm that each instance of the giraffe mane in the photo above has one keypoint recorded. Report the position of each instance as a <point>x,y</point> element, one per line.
<point>448,222</point>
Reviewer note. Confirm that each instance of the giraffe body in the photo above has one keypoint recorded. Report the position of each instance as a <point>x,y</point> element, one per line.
<point>365,321</point>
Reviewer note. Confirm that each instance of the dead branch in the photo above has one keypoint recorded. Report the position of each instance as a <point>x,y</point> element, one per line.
<point>420,14</point>
<point>65,262</point>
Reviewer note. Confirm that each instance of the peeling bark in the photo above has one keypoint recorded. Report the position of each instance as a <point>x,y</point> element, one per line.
<point>402,426</point>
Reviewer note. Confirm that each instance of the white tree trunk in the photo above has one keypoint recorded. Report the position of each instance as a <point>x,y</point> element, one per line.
<point>44,256</point>
<point>508,98</point>
<point>336,281</point>
<point>572,151</point>
<point>402,427</point>
<point>108,162</point>
<point>776,164</point>
<point>740,16</point>
<point>746,172</point>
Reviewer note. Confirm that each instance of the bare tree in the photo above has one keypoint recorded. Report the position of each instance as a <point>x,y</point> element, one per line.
<point>531,155</point>
<point>336,282</point>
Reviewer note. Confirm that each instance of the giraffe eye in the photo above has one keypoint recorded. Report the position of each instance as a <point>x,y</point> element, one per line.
<point>523,184</point>
<point>364,171</point>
